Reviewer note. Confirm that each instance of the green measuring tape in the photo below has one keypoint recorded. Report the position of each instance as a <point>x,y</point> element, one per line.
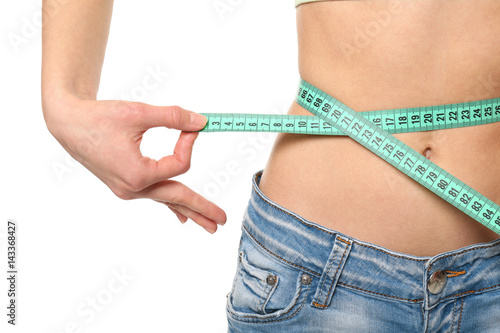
<point>373,131</point>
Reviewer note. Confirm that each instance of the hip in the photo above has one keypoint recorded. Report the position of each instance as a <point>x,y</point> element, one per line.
<point>297,276</point>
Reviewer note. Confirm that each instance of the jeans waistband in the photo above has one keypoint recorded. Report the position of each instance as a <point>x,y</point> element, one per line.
<point>367,267</point>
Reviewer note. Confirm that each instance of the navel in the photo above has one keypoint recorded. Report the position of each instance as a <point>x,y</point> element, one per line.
<point>427,153</point>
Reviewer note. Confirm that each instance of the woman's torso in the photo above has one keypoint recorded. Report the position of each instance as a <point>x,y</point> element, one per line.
<point>383,54</point>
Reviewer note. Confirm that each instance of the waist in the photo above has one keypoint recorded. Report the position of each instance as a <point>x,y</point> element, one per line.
<point>308,246</point>
<point>341,185</point>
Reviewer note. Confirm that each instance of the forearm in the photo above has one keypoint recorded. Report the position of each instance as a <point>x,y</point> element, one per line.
<point>74,37</point>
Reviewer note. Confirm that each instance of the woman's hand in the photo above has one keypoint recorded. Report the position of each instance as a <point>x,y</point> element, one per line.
<point>105,136</point>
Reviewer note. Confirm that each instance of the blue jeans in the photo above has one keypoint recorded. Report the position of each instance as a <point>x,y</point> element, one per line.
<point>294,275</point>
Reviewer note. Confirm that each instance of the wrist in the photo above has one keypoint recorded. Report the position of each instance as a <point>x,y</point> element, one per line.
<point>58,104</point>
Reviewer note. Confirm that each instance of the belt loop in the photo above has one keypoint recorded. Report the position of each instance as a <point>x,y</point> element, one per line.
<point>331,272</point>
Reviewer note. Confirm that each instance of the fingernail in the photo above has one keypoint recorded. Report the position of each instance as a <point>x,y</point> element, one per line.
<point>209,230</point>
<point>198,119</point>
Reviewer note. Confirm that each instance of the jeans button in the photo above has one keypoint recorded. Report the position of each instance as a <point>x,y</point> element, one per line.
<point>437,281</point>
<point>271,280</point>
<point>305,279</point>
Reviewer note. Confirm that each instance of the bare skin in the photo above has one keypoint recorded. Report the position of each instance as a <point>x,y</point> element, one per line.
<point>424,52</point>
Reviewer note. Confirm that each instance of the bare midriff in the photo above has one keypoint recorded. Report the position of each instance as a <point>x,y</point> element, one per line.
<point>380,54</point>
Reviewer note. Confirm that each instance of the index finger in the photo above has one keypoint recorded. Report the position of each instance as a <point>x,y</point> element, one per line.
<point>171,117</point>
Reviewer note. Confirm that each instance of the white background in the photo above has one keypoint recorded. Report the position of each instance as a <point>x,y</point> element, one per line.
<point>74,234</point>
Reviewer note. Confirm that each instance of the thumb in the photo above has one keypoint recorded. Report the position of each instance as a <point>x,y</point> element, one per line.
<point>171,117</point>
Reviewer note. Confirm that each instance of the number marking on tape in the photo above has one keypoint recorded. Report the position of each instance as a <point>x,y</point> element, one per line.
<point>374,131</point>
<point>392,121</point>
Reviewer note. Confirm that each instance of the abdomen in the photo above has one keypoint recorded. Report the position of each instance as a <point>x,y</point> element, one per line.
<point>379,55</point>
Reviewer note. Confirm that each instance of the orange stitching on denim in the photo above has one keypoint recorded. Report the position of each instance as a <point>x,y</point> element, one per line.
<point>453,317</point>
<point>343,240</point>
<point>331,285</point>
<point>327,271</point>
<point>371,247</point>
<point>330,233</point>
<point>454,273</point>
<point>460,320</point>
<point>464,251</point>
<point>471,292</point>
<point>372,292</point>
<point>319,305</point>
<point>300,291</point>
<point>269,293</point>
<point>265,321</point>
<point>291,263</point>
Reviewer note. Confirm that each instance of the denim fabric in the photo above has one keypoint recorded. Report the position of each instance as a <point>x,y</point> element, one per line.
<point>294,275</point>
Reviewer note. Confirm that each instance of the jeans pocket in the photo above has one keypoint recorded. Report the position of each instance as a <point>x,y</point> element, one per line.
<point>253,287</point>
<point>265,291</point>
